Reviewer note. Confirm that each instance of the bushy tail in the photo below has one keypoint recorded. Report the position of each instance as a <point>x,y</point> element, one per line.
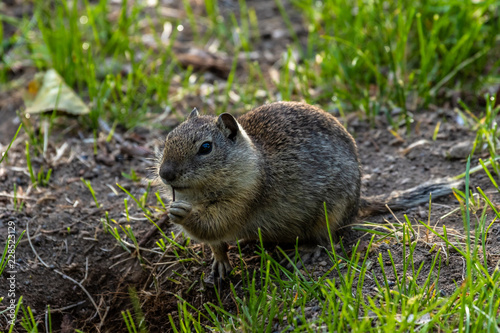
<point>412,197</point>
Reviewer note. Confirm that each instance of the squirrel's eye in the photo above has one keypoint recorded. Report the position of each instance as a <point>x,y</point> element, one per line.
<point>205,148</point>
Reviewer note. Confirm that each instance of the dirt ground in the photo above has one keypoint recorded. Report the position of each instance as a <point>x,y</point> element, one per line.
<point>66,232</point>
<point>65,236</point>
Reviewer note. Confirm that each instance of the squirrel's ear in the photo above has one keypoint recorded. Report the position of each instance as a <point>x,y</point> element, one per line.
<point>228,125</point>
<point>193,114</point>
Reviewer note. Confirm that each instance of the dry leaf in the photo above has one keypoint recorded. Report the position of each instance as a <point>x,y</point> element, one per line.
<point>54,94</point>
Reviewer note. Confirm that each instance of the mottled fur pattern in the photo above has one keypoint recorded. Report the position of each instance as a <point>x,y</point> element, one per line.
<point>308,158</point>
<point>272,171</point>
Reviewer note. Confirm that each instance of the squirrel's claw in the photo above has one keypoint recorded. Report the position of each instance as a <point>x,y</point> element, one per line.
<point>221,269</point>
<point>221,266</point>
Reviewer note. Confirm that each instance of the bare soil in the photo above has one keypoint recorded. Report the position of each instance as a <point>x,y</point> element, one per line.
<point>66,253</point>
<point>66,232</point>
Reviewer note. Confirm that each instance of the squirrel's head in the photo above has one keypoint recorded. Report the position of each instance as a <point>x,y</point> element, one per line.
<point>207,152</point>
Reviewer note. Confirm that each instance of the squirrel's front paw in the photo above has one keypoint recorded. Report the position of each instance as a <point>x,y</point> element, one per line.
<point>179,211</point>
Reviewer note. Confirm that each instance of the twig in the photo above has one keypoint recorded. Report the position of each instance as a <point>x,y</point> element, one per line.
<point>120,262</point>
<point>21,197</point>
<point>34,235</point>
<point>59,229</point>
<point>103,317</point>
<point>86,269</point>
<point>66,307</point>
<point>132,246</point>
<point>32,247</point>
<point>83,288</point>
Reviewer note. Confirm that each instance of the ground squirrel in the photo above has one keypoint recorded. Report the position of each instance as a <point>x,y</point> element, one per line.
<point>272,169</point>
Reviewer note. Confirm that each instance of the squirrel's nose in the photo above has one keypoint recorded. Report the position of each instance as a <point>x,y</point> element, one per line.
<point>167,172</point>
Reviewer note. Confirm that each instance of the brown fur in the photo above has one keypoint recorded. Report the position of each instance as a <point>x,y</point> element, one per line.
<point>271,170</point>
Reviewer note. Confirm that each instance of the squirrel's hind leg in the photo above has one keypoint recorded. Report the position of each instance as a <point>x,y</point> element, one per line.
<point>221,266</point>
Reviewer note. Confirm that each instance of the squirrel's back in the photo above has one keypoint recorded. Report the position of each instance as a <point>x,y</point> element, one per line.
<point>307,159</point>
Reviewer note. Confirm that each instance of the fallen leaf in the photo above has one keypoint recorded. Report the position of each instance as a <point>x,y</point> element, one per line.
<point>54,94</point>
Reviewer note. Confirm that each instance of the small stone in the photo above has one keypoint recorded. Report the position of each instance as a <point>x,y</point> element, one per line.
<point>105,159</point>
<point>422,213</point>
<point>390,158</point>
<point>460,150</point>
<point>278,33</point>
